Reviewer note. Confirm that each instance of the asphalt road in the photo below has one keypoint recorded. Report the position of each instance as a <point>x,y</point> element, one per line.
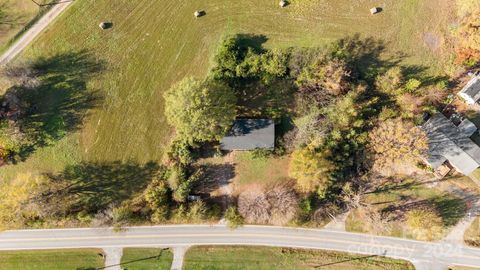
<point>420,253</point>
<point>33,32</point>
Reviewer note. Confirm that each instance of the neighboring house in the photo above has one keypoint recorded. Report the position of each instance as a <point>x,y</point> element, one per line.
<point>471,92</point>
<point>450,143</point>
<point>250,134</point>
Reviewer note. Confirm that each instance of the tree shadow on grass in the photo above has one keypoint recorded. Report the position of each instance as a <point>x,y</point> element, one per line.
<point>7,18</point>
<point>450,208</point>
<point>92,187</point>
<point>60,101</point>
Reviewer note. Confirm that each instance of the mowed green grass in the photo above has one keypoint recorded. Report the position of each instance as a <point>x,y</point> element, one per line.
<point>64,259</point>
<point>153,44</point>
<point>263,258</point>
<point>259,170</point>
<point>146,259</point>
<point>17,15</point>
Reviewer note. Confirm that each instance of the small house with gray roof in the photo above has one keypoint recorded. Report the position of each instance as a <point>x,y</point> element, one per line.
<point>450,143</point>
<point>250,134</point>
<point>471,92</point>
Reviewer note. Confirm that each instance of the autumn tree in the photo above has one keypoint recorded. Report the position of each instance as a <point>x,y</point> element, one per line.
<point>200,111</point>
<point>396,140</point>
<point>311,169</point>
<point>468,35</point>
<point>324,79</point>
<point>424,224</point>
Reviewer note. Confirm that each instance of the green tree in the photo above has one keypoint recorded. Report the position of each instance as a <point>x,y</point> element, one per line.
<point>200,111</point>
<point>157,198</point>
<point>391,81</point>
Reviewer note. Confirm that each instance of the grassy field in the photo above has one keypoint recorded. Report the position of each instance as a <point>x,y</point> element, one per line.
<point>15,15</point>
<point>146,259</point>
<point>263,258</point>
<point>395,199</point>
<point>155,43</point>
<point>64,259</point>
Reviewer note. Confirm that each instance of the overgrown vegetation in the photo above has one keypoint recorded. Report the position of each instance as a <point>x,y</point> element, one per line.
<point>334,107</point>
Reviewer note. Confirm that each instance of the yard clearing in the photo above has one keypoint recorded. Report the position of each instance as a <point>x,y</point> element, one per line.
<point>394,199</point>
<point>146,258</point>
<point>283,258</point>
<point>51,259</point>
<point>154,44</point>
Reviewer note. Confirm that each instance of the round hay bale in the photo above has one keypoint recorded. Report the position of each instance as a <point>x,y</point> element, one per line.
<point>283,3</point>
<point>105,25</point>
<point>199,13</point>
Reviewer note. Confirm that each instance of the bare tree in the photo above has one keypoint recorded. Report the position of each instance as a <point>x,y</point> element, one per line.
<point>283,201</point>
<point>253,206</point>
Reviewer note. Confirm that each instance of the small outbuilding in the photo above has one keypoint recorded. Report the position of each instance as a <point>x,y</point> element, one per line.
<point>471,92</point>
<point>250,134</point>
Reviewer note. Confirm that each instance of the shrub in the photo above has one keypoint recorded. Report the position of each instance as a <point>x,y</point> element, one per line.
<point>233,218</point>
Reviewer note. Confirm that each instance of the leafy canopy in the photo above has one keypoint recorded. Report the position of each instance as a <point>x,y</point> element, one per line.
<point>200,111</point>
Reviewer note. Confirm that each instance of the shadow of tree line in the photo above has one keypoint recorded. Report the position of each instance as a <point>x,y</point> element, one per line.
<point>91,187</point>
<point>59,100</point>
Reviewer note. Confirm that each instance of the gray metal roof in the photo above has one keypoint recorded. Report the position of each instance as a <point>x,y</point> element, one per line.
<point>249,134</point>
<point>472,88</point>
<point>448,142</point>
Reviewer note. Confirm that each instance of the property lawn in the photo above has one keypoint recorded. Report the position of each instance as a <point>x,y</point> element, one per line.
<point>146,259</point>
<point>472,234</point>
<point>393,200</point>
<point>283,258</point>
<point>65,259</point>
<point>155,43</point>
<point>259,170</point>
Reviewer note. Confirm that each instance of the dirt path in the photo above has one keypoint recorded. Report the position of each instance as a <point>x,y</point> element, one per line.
<point>34,31</point>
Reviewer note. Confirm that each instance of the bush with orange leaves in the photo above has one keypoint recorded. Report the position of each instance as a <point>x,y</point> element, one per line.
<point>468,36</point>
<point>396,140</point>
